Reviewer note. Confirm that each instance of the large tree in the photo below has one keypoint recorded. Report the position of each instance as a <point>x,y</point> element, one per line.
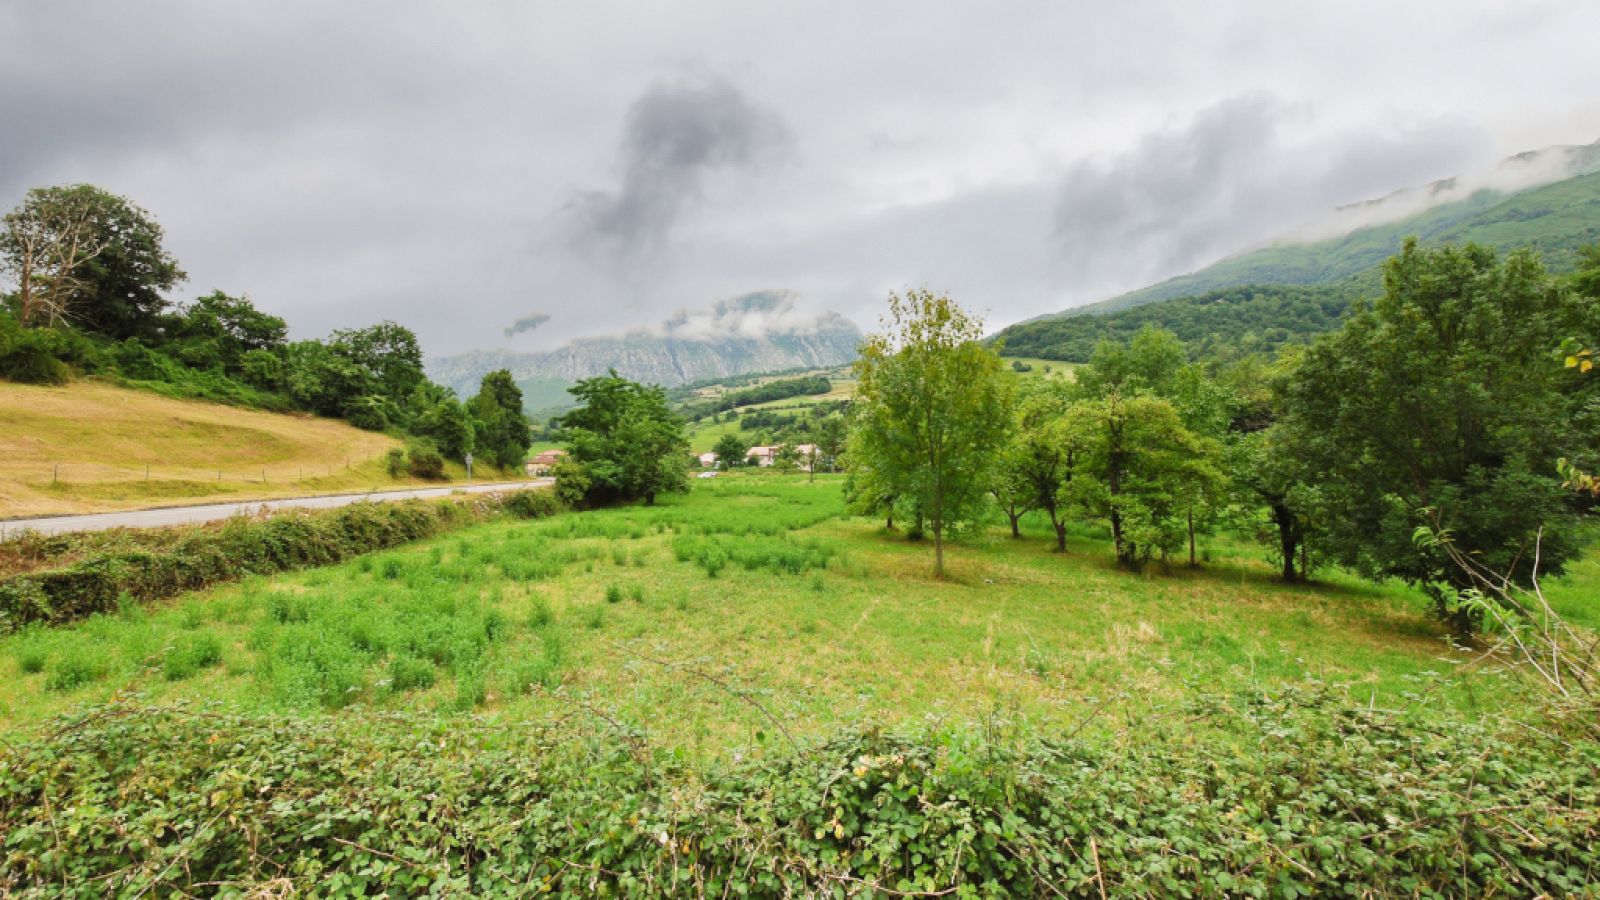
<point>933,410</point>
<point>624,440</point>
<point>500,427</point>
<point>1438,405</point>
<point>84,256</point>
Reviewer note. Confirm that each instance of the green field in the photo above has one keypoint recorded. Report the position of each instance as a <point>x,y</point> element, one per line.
<point>648,616</point>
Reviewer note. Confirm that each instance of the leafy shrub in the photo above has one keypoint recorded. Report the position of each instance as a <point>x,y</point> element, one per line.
<point>1294,794</point>
<point>75,670</point>
<point>539,613</point>
<point>394,462</point>
<point>31,660</point>
<point>191,558</point>
<point>407,673</point>
<point>613,594</point>
<point>425,462</point>
<point>190,656</point>
<point>532,504</point>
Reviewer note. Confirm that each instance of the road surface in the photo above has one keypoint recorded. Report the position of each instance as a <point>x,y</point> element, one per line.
<point>211,512</point>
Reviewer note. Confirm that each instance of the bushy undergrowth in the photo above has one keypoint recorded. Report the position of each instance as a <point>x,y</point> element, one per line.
<point>782,555</point>
<point>1285,795</point>
<point>119,571</point>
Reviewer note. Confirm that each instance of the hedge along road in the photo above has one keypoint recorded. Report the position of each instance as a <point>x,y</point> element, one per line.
<point>211,512</point>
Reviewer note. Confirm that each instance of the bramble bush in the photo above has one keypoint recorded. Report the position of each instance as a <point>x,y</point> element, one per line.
<point>95,581</point>
<point>1291,793</point>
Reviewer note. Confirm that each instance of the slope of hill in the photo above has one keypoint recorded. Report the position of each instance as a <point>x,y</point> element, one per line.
<point>1291,291</point>
<point>91,447</point>
<point>1555,217</point>
<point>758,332</point>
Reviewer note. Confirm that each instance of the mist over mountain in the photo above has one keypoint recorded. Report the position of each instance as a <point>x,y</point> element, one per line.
<point>1302,285</point>
<point>1541,198</point>
<point>757,332</point>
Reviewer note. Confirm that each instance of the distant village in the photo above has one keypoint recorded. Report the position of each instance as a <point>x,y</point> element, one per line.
<point>763,456</point>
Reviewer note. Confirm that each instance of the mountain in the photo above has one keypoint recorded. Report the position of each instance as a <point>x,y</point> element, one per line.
<point>758,332</point>
<point>1546,199</point>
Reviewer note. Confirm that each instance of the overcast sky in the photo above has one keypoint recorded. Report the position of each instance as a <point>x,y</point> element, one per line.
<point>464,167</point>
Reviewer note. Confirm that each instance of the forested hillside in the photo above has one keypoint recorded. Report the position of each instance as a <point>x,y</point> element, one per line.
<point>1289,291</point>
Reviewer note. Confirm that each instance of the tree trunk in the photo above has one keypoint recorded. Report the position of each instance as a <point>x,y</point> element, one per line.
<point>938,550</point>
<point>1116,535</point>
<point>650,499</point>
<point>1288,539</point>
<point>1059,525</point>
<point>1014,516</point>
<point>1192,562</point>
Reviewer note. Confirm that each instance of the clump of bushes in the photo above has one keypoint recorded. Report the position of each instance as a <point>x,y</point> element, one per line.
<point>783,554</point>
<point>1293,793</point>
<point>197,557</point>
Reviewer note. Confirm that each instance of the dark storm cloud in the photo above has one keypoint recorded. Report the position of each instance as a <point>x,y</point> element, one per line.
<point>676,136</point>
<point>1240,175</point>
<point>526,323</point>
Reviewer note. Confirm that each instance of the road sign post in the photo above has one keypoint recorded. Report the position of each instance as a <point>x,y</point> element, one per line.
<point>469,466</point>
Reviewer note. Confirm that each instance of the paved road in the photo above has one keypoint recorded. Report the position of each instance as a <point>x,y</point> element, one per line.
<point>184,515</point>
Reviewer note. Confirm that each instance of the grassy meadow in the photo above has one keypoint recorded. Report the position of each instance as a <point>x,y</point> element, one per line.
<point>88,447</point>
<point>750,609</point>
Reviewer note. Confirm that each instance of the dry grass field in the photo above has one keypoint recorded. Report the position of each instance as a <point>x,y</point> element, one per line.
<point>88,447</point>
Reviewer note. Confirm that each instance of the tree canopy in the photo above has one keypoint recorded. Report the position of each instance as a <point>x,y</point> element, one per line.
<point>624,440</point>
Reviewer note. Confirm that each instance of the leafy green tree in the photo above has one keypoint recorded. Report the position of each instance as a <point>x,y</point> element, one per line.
<point>1044,454</point>
<point>625,439</point>
<point>388,356</point>
<point>447,424</point>
<point>1140,468</point>
<point>83,255</point>
<point>830,433</point>
<point>786,459</point>
<point>229,327</point>
<point>933,406</point>
<point>1269,472</point>
<point>1438,406</point>
<point>500,428</point>
<point>730,451</point>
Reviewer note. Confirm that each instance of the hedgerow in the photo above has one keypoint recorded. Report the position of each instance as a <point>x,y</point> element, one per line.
<point>118,572</point>
<point>1285,795</point>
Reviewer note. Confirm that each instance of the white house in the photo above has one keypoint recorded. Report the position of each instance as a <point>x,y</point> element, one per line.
<point>707,459</point>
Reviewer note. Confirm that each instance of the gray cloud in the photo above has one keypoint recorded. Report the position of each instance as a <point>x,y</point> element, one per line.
<point>675,136</point>
<point>526,323</point>
<point>343,163</point>
<point>1239,173</point>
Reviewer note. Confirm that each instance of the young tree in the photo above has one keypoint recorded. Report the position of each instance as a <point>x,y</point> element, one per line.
<point>829,434</point>
<point>1045,453</point>
<point>1268,471</point>
<point>1439,406</point>
<point>730,451</point>
<point>933,410</point>
<point>499,426</point>
<point>787,459</point>
<point>624,440</point>
<point>390,357</point>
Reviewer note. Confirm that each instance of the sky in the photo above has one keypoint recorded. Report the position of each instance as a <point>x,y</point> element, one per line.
<point>514,174</point>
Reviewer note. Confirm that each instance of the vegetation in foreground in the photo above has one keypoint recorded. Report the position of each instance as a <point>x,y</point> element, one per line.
<point>571,704</point>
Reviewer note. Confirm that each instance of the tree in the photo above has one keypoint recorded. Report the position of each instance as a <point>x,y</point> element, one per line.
<point>625,440</point>
<point>1438,406</point>
<point>730,451</point>
<point>501,431</point>
<point>830,434</point>
<point>80,254</point>
<point>447,424</point>
<point>389,356</point>
<point>1140,468</point>
<point>933,406</point>
<point>1269,471</point>
<point>231,326</point>
<point>787,459</point>
<point>1044,454</point>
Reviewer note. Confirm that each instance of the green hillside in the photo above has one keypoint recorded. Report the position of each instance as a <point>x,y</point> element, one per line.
<point>1290,292</point>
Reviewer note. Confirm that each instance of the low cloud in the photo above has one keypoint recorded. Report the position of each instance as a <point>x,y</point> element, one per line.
<point>526,323</point>
<point>756,315</point>
<point>676,136</point>
<point>1237,174</point>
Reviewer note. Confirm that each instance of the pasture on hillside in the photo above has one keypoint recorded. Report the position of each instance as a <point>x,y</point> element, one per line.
<point>751,609</point>
<point>90,447</point>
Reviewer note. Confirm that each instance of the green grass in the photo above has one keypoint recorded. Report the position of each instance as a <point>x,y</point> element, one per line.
<point>701,619</point>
